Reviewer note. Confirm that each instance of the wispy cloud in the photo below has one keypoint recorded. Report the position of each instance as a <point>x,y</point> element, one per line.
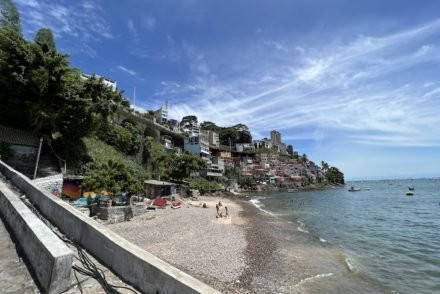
<point>368,90</point>
<point>133,30</point>
<point>149,23</point>
<point>78,19</point>
<point>126,70</point>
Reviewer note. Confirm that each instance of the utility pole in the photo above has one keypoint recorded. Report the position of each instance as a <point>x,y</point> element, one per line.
<point>38,158</point>
<point>134,96</point>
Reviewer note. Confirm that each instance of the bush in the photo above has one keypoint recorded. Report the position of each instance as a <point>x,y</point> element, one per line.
<point>203,185</point>
<point>6,151</point>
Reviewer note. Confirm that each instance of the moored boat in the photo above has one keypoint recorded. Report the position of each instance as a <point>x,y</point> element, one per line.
<point>409,193</point>
<point>353,189</point>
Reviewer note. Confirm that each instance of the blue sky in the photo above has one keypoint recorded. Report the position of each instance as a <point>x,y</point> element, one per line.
<point>354,83</point>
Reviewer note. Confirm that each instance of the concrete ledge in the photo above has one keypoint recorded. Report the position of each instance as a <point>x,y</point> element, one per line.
<point>138,267</point>
<point>49,257</point>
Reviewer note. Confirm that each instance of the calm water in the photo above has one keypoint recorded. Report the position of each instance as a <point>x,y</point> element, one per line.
<point>391,238</point>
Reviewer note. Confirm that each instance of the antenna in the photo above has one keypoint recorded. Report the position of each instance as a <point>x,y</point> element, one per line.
<point>134,96</point>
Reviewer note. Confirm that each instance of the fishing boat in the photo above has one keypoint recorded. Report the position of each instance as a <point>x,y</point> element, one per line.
<point>353,189</point>
<point>409,193</point>
<point>159,203</point>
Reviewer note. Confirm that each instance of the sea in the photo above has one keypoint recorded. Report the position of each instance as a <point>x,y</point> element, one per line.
<point>387,241</point>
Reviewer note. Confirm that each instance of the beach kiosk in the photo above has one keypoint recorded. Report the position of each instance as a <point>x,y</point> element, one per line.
<point>155,189</point>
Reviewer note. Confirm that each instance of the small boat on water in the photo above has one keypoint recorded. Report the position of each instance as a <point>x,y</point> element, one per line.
<point>353,189</point>
<point>411,188</point>
<point>292,190</point>
<point>409,193</point>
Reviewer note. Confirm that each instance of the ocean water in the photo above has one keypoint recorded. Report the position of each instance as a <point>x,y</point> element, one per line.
<point>388,240</point>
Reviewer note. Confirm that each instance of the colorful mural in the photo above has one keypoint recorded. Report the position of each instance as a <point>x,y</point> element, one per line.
<point>72,188</point>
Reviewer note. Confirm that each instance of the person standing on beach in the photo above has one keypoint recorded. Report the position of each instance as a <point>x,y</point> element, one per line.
<point>216,207</point>
<point>226,209</point>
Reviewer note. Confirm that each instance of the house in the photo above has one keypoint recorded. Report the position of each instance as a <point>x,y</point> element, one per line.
<point>105,81</point>
<point>262,144</point>
<point>23,142</point>
<point>190,126</point>
<point>154,189</point>
<point>197,145</point>
<point>23,145</point>
<point>166,141</point>
<point>212,137</point>
<point>241,147</point>
<point>161,115</point>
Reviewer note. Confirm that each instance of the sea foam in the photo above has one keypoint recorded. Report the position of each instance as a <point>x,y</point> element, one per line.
<point>314,277</point>
<point>349,265</point>
<point>259,205</point>
<point>301,228</point>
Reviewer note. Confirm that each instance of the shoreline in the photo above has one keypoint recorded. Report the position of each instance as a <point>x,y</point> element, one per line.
<point>249,252</point>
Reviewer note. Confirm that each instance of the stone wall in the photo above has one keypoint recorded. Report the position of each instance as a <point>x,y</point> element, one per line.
<point>116,214</point>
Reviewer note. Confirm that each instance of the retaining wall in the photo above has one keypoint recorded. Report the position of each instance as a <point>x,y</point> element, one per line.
<point>49,257</point>
<point>133,264</point>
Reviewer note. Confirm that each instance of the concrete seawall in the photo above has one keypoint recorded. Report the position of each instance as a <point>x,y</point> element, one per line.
<point>136,266</point>
<point>48,256</point>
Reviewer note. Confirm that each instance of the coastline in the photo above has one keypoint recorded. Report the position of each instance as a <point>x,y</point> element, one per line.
<point>250,252</point>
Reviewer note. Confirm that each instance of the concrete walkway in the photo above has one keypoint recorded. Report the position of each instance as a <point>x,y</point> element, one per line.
<point>14,274</point>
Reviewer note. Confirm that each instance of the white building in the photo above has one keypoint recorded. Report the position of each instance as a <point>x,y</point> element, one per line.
<point>213,137</point>
<point>105,81</point>
<point>161,115</point>
<point>197,145</point>
<point>190,126</point>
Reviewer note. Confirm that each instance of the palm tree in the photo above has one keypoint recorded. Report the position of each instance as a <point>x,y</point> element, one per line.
<point>325,166</point>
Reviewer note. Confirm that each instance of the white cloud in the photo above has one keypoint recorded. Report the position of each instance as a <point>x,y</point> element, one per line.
<point>149,23</point>
<point>131,27</point>
<point>126,70</point>
<point>80,19</point>
<point>364,91</point>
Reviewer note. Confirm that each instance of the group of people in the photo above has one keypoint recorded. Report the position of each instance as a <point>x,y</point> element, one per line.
<point>220,213</point>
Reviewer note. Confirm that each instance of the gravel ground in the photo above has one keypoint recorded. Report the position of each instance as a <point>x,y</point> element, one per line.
<point>195,241</point>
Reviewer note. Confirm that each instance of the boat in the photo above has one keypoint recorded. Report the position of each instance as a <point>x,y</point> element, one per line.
<point>409,193</point>
<point>412,188</point>
<point>353,189</point>
<point>159,203</point>
<point>292,190</point>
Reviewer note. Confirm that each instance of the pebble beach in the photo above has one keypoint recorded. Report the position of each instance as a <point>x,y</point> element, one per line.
<point>249,251</point>
<point>192,239</point>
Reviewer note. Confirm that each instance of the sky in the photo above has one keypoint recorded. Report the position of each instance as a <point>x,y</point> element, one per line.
<point>354,83</point>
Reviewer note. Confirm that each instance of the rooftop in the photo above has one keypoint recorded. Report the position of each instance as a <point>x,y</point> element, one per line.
<point>17,136</point>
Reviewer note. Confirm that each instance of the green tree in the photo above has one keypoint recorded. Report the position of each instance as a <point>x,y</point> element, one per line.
<point>325,166</point>
<point>155,158</point>
<point>16,57</point>
<point>9,16</point>
<point>44,38</point>
<point>111,176</point>
<point>181,166</point>
<point>303,158</point>
<point>334,176</point>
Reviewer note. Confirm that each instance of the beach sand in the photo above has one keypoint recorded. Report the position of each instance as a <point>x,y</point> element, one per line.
<point>249,252</point>
<point>192,239</point>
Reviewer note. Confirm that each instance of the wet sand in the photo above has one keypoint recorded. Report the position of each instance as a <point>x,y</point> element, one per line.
<point>249,252</point>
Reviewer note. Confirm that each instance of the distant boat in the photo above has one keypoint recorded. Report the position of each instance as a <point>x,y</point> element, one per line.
<point>409,193</point>
<point>412,188</point>
<point>353,189</point>
<point>291,190</point>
